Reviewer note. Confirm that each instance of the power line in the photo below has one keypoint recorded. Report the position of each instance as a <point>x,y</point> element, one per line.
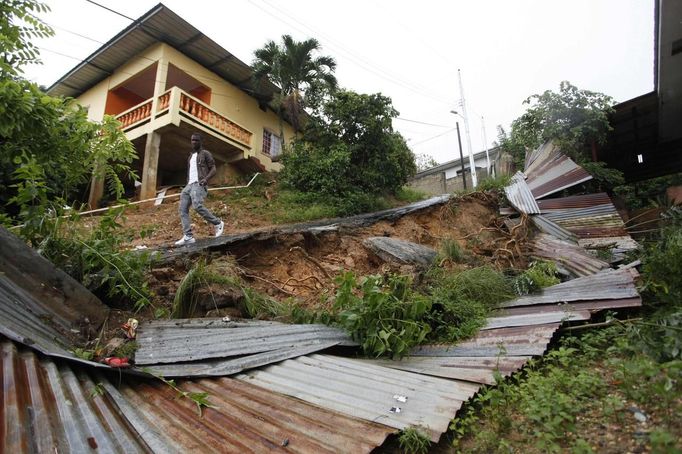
<point>434,137</point>
<point>421,122</point>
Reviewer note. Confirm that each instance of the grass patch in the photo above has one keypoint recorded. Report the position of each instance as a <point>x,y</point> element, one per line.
<point>414,441</point>
<point>409,195</point>
<point>558,403</point>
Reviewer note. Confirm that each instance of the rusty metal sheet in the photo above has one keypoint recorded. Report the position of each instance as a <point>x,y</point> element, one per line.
<point>552,228</point>
<point>519,195</point>
<point>50,406</point>
<point>367,391</point>
<point>574,201</point>
<point>501,342</point>
<point>569,256</point>
<point>615,284</point>
<point>478,369</point>
<point>592,306</point>
<point>549,171</point>
<point>183,341</point>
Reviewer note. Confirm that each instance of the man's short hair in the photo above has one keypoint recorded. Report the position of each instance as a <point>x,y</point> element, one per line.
<point>197,135</point>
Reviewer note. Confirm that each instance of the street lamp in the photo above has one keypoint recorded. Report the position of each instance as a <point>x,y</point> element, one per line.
<point>472,165</point>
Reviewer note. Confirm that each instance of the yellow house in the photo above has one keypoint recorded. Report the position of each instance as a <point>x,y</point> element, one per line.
<point>163,80</point>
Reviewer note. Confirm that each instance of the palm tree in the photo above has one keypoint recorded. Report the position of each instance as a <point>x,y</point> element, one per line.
<point>303,78</point>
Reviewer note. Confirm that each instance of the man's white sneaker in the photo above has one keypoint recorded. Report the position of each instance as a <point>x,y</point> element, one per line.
<point>219,229</point>
<point>185,240</point>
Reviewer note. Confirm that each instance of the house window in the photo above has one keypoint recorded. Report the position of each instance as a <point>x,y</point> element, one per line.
<point>272,144</point>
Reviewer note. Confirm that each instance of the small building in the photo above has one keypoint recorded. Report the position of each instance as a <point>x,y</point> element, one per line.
<point>164,80</point>
<point>447,177</point>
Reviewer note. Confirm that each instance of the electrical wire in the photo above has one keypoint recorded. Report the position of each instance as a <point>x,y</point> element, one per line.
<point>434,137</point>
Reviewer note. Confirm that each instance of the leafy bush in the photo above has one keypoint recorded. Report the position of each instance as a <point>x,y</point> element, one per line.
<point>540,274</point>
<point>413,441</point>
<point>387,319</point>
<point>494,183</point>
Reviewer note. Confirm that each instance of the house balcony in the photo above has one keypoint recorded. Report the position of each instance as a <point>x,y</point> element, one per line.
<point>176,108</point>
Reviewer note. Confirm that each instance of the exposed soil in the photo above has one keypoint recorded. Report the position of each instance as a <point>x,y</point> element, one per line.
<point>303,266</point>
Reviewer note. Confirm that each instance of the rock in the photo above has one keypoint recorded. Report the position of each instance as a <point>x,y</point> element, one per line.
<point>401,251</point>
<point>162,273</point>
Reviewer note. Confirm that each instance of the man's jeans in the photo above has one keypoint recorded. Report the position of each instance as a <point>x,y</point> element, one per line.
<point>194,194</point>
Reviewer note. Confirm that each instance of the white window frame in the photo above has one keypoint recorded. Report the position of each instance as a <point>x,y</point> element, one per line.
<point>273,145</point>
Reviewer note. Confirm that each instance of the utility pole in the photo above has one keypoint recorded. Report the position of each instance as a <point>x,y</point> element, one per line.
<point>485,144</point>
<point>461,157</point>
<point>472,165</point>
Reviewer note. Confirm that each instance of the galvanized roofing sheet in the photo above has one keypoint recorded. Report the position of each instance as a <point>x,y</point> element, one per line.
<point>549,171</point>
<point>519,195</point>
<point>567,255</point>
<point>501,342</point>
<point>181,341</point>
<point>575,201</point>
<point>52,406</point>
<point>395,398</point>
<point>615,284</point>
<point>159,24</point>
<point>552,228</point>
<point>478,369</point>
<point>592,306</point>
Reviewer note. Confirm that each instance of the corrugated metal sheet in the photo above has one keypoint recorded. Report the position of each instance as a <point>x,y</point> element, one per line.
<point>185,341</point>
<point>507,321</point>
<point>549,171</point>
<point>51,406</point>
<point>478,369</point>
<point>575,201</point>
<point>592,306</point>
<point>519,195</point>
<point>616,284</point>
<point>568,256</point>
<point>502,342</point>
<point>552,228</point>
<point>370,392</point>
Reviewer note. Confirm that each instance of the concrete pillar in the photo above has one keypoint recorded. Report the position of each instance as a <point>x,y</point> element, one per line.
<point>150,166</point>
<point>96,191</point>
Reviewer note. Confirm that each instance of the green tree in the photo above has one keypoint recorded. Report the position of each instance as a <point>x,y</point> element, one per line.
<point>575,119</point>
<point>351,149</point>
<point>303,77</point>
<point>56,134</point>
<point>19,24</point>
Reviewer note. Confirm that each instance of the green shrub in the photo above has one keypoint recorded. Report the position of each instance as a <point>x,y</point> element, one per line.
<point>451,250</point>
<point>413,441</point>
<point>387,318</point>
<point>540,274</point>
<point>494,183</point>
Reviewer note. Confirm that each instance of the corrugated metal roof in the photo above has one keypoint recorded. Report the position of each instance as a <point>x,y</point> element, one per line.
<point>159,24</point>
<point>575,201</point>
<point>507,321</point>
<point>370,392</point>
<point>552,228</point>
<point>478,369</point>
<point>592,306</point>
<point>187,340</point>
<point>502,342</point>
<point>549,171</point>
<point>519,195</point>
<point>567,255</point>
<point>51,406</point>
<point>615,284</point>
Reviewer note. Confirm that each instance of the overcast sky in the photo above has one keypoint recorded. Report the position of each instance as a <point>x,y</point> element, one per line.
<point>410,50</point>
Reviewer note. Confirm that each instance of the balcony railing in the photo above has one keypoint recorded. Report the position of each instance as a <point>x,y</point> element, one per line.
<point>136,114</point>
<point>179,103</point>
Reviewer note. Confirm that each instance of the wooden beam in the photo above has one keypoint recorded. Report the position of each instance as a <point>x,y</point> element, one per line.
<point>150,166</point>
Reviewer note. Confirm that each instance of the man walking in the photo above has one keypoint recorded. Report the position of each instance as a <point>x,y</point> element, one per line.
<point>201,167</point>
